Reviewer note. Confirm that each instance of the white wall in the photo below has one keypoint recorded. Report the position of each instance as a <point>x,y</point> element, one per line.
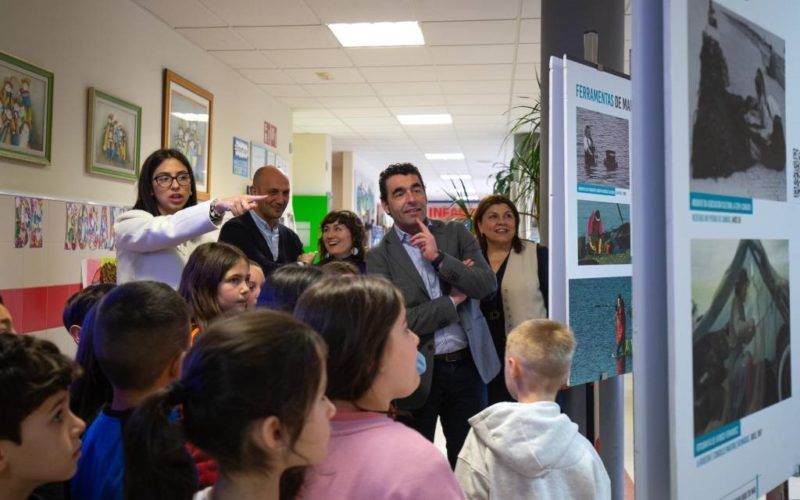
<point>120,48</point>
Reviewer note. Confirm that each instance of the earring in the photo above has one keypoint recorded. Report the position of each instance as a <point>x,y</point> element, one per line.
<point>354,251</point>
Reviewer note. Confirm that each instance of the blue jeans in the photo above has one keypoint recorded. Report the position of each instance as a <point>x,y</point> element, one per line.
<point>457,393</point>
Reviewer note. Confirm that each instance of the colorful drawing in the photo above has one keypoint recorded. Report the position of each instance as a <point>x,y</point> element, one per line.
<point>90,227</point>
<point>28,222</point>
<point>26,100</point>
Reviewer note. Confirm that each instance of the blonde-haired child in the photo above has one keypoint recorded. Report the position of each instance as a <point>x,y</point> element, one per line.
<point>529,449</point>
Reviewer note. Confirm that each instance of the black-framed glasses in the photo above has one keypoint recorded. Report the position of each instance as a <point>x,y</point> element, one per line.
<point>165,180</point>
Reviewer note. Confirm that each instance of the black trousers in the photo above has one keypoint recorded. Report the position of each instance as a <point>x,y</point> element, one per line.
<point>457,393</point>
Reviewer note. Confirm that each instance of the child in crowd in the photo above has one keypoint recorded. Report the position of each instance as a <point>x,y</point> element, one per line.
<point>141,330</point>
<point>257,280</point>
<point>79,304</point>
<point>530,449</point>
<point>92,390</point>
<point>372,360</point>
<point>214,281</point>
<point>284,286</point>
<point>339,268</point>
<point>39,435</point>
<point>245,403</point>
<point>6,321</point>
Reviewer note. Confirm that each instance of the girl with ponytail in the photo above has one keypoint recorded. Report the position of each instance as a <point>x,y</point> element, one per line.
<point>252,397</point>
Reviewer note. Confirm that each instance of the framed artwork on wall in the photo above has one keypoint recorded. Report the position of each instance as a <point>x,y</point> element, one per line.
<point>186,125</point>
<point>113,134</point>
<point>26,110</point>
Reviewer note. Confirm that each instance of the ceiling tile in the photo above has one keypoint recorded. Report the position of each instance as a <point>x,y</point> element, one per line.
<point>474,119</point>
<point>530,31</point>
<point>318,122</point>
<point>478,109</point>
<point>501,99</point>
<point>393,56</point>
<point>351,102</point>
<point>238,59</point>
<point>527,71</point>
<point>374,121</point>
<point>266,76</point>
<point>526,89</point>
<point>359,11</point>
<point>215,38</point>
<point>338,75</point>
<point>312,113</point>
<point>262,12</point>
<point>529,53</point>
<point>286,90</point>
<point>414,100</point>
<point>299,102</point>
<point>531,8</point>
<point>340,90</point>
<point>399,73</point>
<point>183,13</point>
<point>469,32</point>
<point>474,72</point>
<point>458,10</point>
<point>360,112</point>
<point>309,58</point>
<point>289,37</point>
<point>473,54</point>
<point>406,88</point>
<point>469,87</point>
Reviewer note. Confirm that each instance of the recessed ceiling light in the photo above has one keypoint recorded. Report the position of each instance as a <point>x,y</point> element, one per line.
<point>441,119</point>
<point>444,156</point>
<point>378,34</point>
<point>452,177</point>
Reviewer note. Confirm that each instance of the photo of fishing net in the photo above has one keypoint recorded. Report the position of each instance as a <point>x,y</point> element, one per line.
<point>740,318</point>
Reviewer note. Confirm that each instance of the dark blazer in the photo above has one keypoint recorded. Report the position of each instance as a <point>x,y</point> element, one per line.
<point>425,316</point>
<point>243,233</point>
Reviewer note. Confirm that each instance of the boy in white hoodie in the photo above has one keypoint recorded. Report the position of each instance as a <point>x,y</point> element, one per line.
<point>530,449</point>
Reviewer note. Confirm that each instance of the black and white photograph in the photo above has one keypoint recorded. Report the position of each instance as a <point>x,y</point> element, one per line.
<point>603,149</point>
<point>740,329</point>
<point>738,140</point>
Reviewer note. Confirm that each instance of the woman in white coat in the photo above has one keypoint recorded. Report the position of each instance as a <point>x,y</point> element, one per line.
<point>520,267</point>
<point>155,239</point>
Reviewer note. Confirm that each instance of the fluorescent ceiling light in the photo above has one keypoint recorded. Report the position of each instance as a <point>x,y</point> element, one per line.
<point>442,119</point>
<point>444,156</point>
<point>378,34</point>
<point>452,177</point>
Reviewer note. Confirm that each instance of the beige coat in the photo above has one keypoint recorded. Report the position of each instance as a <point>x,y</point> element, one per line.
<point>522,298</point>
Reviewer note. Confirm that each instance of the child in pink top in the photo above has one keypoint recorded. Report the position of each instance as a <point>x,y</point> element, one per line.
<point>371,361</point>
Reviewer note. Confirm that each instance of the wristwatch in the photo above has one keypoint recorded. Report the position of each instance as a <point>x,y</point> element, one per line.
<point>438,260</point>
<point>215,216</point>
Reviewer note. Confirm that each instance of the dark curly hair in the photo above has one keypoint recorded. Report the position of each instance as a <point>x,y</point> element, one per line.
<point>397,169</point>
<point>353,224</point>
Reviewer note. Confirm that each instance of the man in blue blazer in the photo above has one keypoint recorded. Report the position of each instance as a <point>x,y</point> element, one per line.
<point>442,274</point>
<point>258,233</point>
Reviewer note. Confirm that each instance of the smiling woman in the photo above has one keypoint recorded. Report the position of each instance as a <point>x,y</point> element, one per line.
<point>342,239</point>
<point>521,294</point>
<point>155,238</point>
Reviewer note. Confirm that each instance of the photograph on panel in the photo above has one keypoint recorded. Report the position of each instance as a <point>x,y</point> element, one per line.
<point>604,233</point>
<point>738,142</point>
<point>740,329</point>
<point>603,152</point>
<point>600,317</point>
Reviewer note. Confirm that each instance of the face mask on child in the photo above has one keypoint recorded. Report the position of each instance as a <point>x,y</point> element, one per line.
<point>421,365</point>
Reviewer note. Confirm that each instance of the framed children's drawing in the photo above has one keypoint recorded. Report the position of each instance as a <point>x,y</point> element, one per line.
<point>113,133</point>
<point>26,110</point>
<point>186,124</point>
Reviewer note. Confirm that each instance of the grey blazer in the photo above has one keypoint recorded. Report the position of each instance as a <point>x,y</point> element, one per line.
<point>425,316</point>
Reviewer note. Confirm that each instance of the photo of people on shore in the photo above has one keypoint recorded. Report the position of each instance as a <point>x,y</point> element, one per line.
<point>603,149</point>
<point>738,139</point>
<point>600,315</point>
<point>604,233</point>
<point>740,329</point>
